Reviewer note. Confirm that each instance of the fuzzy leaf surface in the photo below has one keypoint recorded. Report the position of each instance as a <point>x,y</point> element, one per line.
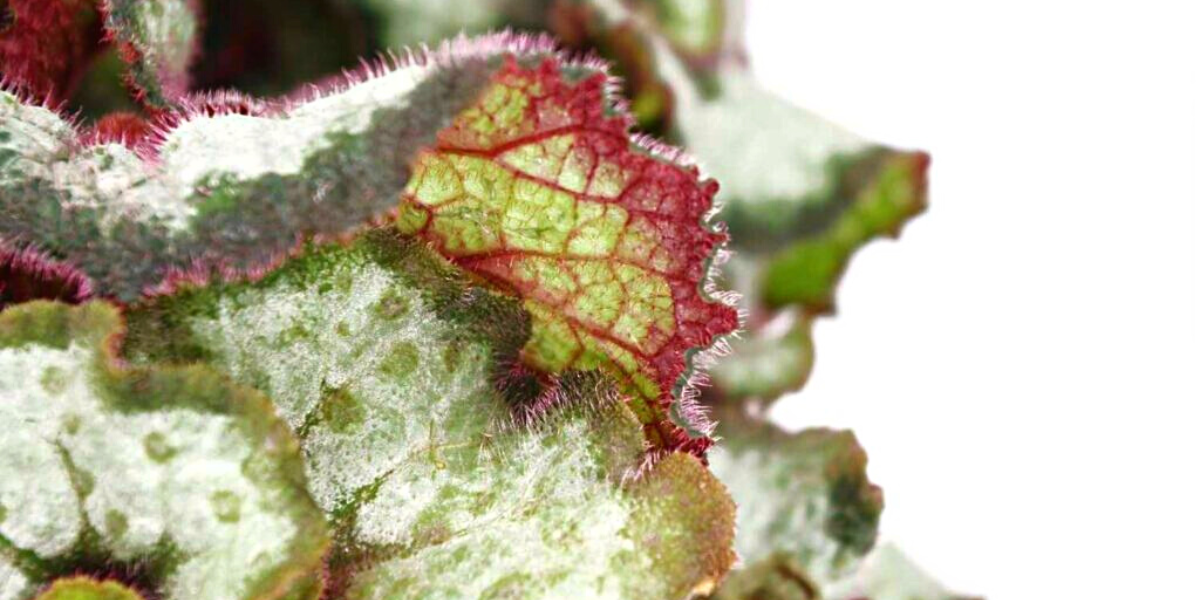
<point>537,187</point>
<point>800,194</point>
<point>85,588</point>
<point>27,275</point>
<point>229,182</point>
<point>394,372</point>
<point>170,474</point>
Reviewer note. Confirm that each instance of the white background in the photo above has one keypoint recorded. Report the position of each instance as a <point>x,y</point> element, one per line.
<point>1022,364</point>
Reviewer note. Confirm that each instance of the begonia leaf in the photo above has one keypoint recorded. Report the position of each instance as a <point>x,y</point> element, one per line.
<point>440,479</point>
<point>803,498</point>
<point>538,188</point>
<point>229,181</point>
<point>169,477</point>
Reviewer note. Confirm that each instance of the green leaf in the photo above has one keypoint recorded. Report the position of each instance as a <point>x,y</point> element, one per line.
<point>789,269</point>
<point>802,496</point>
<point>878,193</point>
<point>441,479</point>
<point>172,476</point>
<point>85,588</point>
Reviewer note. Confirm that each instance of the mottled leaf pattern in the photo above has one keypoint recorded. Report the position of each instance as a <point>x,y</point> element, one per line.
<point>394,373</point>
<point>474,302</point>
<point>230,182</point>
<point>170,475</point>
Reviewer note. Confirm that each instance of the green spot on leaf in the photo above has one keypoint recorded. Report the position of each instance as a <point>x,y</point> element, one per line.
<point>403,360</point>
<point>341,411</point>
<point>157,447</point>
<point>115,523</point>
<point>54,381</point>
<point>393,306</point>
<point>226,505</point>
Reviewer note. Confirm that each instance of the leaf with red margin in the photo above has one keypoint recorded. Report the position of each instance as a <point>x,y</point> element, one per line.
<point>45,45</point>
<point>538,188</point>
<point>26,274</point>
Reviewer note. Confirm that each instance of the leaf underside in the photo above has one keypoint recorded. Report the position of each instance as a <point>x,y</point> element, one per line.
<point>539,190</point>
<point>443,432</point>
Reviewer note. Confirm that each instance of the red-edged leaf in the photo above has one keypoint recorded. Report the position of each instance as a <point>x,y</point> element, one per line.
<point>538,187</point>
<point>118,127</point>
<point>27,275</point>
